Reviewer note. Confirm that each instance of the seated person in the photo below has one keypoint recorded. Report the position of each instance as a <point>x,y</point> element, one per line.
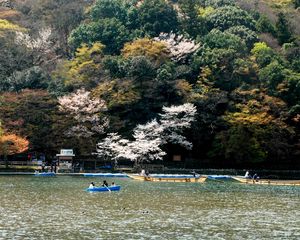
<point>92,185</point>
<point>255,177</point>
<point>104,184</point>
<point>113,184</point>
<point>247,175</point>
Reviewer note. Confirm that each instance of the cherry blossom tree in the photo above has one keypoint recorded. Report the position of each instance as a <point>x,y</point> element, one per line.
<point>149,137</point>
<point>174,120</point>
<point>42,46</point>
<point>41,42</point>
<point>180,48</point>
<point>86,113</point>
<point>113,147</point>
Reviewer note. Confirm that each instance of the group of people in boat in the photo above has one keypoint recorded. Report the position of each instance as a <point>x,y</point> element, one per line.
<point>104,184</point>
<point>255,177</point>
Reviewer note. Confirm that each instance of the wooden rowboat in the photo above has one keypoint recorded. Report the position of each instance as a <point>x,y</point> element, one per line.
<point>199,179</point>
<point>267,181</point>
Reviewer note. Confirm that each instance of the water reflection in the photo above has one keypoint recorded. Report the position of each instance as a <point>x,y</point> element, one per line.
<point>59,208</point>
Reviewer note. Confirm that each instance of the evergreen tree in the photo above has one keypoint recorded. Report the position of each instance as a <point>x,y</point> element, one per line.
<point>283,29</point>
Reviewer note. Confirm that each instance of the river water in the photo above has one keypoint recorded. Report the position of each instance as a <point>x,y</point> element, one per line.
<point>59,208</point>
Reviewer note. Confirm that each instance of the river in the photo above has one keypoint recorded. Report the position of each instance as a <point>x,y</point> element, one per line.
<point>59,208</point>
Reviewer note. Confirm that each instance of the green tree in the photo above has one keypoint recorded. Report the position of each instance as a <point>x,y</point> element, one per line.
<point>264,24</point>
<point>272,75</point>
<point>283,31</point>
<point>247,35</point>
<point>238,145</point>
<point>109,31</point>
<point>219,3</point>
<point>263,54</point>
<point>216,39</point>
<point>229,16</point>
<point>109,9</point>
<point>156,16</point>
<point>190,22</point>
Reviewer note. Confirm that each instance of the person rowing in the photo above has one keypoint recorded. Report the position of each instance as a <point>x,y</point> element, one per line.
<point>104,184</point>
<point>92,185</point>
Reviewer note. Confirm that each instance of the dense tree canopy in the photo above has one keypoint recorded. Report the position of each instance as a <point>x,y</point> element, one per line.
<point>101,72</point>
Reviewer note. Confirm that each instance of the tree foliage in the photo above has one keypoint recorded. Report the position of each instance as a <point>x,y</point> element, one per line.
<point>237,62</point>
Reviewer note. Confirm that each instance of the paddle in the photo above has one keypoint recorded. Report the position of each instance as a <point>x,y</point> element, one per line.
<point>107,188</point>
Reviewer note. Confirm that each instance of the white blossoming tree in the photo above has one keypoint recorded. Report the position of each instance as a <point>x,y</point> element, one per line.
<point>149,138</point>
<point>174,120</point>
<point>40,43</point>
<point>85,111</point>
<point>180,48</point>
<point>42,46</point>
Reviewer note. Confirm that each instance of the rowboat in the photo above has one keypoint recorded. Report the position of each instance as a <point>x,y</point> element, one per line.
<point>104,189</point>
<point>267,181</point>
<point>45,174</point>
<point>168,178</point>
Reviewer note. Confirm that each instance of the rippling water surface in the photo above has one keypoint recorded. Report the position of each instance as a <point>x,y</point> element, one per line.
<point>59,208</point>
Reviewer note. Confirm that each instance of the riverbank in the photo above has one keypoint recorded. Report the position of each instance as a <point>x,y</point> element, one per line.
<point>264,173</point>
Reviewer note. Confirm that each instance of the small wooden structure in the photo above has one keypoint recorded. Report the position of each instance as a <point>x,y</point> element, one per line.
<point>65,159</point>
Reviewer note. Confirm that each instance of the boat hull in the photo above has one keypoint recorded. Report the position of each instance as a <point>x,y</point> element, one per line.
<point>104,189</point>
<point>105,175</point>
<point>268,181</point>
<point>45,174</point>
<point>200,179</point>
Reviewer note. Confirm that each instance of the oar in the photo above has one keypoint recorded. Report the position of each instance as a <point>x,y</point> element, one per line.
<point>107,188</point>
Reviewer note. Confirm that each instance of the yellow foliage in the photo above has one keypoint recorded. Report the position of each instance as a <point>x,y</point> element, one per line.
<point>204,12</point>
<point>117,92</point>
<point>258,109</point>
<point>84,66</point>
<point>12,144</point>
<point>155,51</point>
<point>84,52</point>
<point>245,117</point>
<point>205,74</point>
<point>185,90</point>
<point>279,3</point>
<point>8,26</point>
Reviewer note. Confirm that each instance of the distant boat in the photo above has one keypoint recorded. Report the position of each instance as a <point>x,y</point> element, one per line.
<point>219,177</point>
<point>169,178</point>
<point>267,181</point>
<point>45,174</point>
<point>104,189</point>
<point>117,175</point>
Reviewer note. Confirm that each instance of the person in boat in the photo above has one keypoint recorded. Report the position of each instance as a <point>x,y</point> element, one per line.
<point>247,175</point>
<point>147,173</point>
<point>142,173</point>
<point>92,185</point>
<point>255,177</point>
<point>104,184</point>
<point>194,173</point>
<point>113,184</point>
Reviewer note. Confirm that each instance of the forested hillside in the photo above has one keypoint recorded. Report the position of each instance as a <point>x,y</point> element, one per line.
<point>74,71</point>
